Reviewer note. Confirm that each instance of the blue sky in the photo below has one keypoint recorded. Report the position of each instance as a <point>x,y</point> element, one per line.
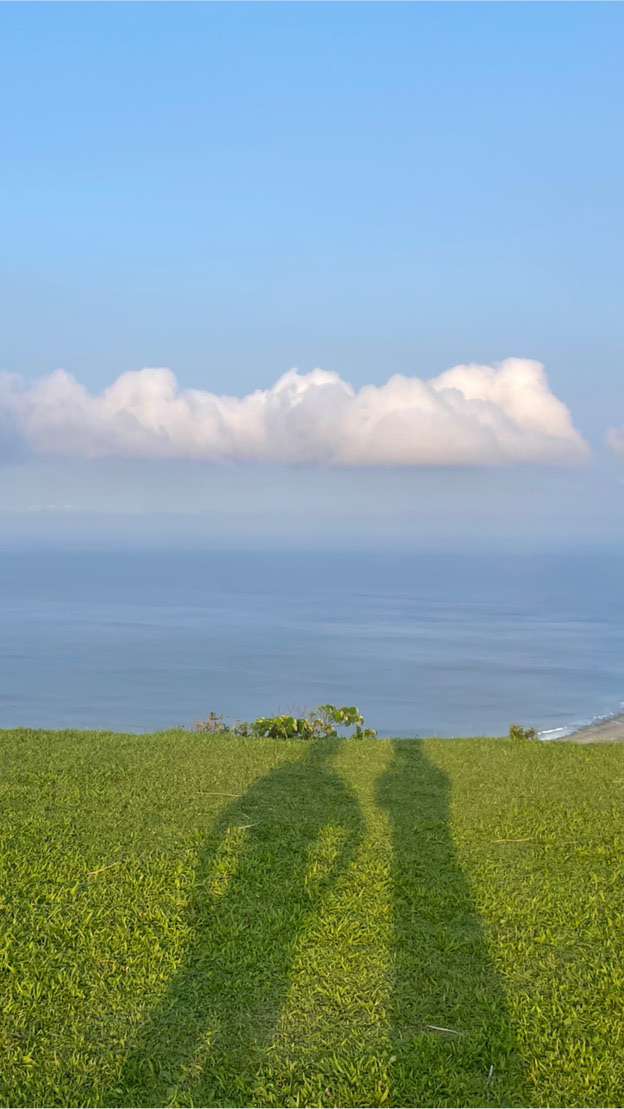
<point>234,190</point>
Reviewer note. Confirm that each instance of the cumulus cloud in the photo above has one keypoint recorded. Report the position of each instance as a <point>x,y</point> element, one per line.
<point>615,439</point>
<point>469,416</point>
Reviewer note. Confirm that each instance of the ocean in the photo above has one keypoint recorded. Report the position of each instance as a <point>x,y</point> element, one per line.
<point>424,644</point>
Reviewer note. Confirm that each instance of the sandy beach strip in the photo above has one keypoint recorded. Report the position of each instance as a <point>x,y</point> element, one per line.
<point>608,730</point>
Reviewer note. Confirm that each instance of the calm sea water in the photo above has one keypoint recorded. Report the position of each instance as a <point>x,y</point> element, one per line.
<point>422,644</point>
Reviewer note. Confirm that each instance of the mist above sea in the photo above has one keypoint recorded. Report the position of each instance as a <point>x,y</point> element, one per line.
<point>423,643</point>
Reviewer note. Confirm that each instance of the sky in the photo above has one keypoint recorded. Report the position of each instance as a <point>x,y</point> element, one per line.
<point>312,273</point>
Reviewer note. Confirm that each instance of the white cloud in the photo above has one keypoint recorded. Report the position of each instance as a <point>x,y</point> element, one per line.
<point>615,439</point>
<point>469,416</point>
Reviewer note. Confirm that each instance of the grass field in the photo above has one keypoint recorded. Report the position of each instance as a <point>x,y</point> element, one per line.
<point>197,921</point>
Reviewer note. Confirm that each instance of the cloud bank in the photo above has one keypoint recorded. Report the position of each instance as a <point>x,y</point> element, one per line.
<point>615,439</point>
<point>469,416</point>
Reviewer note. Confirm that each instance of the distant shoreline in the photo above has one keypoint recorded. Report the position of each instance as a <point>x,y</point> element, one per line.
<point>608,730</point>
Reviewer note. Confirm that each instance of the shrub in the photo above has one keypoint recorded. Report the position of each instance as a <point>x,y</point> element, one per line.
<point>322,723</point>
<point>516,731</point>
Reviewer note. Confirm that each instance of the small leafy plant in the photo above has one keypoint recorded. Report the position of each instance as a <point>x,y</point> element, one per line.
<point>516,731</point>
<point>321,723</point>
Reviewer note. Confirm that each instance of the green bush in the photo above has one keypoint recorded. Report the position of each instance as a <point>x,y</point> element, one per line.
<point>321,723</point>
<point>516,731</point>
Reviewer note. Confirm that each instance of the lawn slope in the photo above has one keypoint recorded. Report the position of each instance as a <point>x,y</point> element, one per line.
<point>196,921</point>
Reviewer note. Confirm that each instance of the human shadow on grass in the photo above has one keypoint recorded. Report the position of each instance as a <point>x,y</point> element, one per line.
<point>253,896</point>
<point>452,1041</point>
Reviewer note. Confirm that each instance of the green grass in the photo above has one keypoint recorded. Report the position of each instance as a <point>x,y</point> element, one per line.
<point>197,921</point>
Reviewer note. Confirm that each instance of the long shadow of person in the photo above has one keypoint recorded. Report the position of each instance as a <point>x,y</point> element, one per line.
<point>452,1040</point>
<point>254,892</point>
